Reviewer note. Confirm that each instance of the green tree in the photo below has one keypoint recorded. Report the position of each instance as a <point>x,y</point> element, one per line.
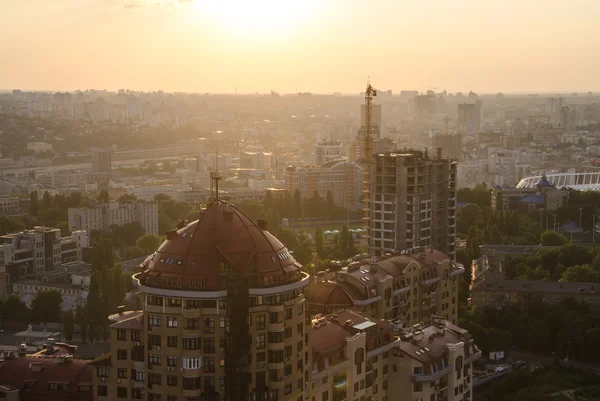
<point>94,308</point>
<point>33,203</point>
<point>580,273</point>
<point>15,310</point>
<point>10,225</point>
<point>46,201</point>
<point>127,198</point>
<point>63,226</point>
<point>103,196</point>
<point>330,201</point>
<point>68,321</point>
<point>148,243</point>
<point>320,242</point>
<point>45,307</point>
<point>131,252</point>
<point>552,238</point>
<point>468,216</point>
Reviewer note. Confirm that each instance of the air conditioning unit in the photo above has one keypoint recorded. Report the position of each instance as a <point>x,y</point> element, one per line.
<point>137,343</point>
<point>118,380</point>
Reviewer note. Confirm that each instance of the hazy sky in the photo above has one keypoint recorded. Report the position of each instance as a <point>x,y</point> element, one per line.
<point>304,45</point>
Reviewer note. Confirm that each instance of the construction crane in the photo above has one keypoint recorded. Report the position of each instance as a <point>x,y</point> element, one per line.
<point>368,153</point>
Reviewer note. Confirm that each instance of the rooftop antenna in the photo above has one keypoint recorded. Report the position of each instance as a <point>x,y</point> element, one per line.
<point>215,176</point>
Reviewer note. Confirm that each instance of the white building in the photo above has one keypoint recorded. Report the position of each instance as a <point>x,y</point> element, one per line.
<point>102,216</point>
<point>148,192</point>
<point>9,204</point>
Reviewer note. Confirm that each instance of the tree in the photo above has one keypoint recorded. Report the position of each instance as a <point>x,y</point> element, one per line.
<point>552,238</point>
<point>320,242</point>
<point>580,273</point>
<point>468,216</point>
<point>45,307</point>
<point>103,196</point>
<point>94,307</point>
<point>68,321</point>
<point>330,201</point>
<point>63,226</point>
<point>46,201</point>
<point>127,198</point>
<point>149,243</point>
<point>33,203</point>
<point>15,310</point>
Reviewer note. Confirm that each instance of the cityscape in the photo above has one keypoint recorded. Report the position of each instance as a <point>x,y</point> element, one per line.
<point>390,240</point>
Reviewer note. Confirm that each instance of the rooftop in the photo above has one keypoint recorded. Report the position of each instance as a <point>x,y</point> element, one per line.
<point>224,241</point>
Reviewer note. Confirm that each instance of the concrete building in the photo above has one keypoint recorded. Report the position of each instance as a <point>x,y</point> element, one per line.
<point>148,192</point>
<point>9,205</point>
<point>101,160</point>
<point>326,151</point>
<point>470,117</point>
<point>256,160</point>
<point>102,216</point>
<point>407,288</point>
<point>342,178</point>
<point>223,316</point>
<point>39,147</point>
<point>451,145</point>
<point>412,203</point>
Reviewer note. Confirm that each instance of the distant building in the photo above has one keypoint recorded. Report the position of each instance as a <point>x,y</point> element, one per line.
<point>545,196</point>
<point>342,178</point>
<point>326,151</point>
<point>413,202</point>
<point>376,116</point>
<point>39,147</point>
<point>470,116</point>
<point>451,145</point>
<point>256,160</point>
<point>9,205</point>
<point>101,160</point>
<point>102,216</point>
<point>148,192</point>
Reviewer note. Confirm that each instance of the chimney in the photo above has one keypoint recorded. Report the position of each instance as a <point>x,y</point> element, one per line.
<point>262,224</point>
<point>120,309</point>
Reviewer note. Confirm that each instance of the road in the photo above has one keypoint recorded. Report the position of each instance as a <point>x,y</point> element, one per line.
<point>537,360</point>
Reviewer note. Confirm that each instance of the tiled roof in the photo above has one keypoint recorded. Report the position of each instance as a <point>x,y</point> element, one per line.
<point>327,294</point>
<point>39,373</point>
<point>102,360</point>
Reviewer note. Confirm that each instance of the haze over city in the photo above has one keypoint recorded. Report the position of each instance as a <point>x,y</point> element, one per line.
<point>321,46</point>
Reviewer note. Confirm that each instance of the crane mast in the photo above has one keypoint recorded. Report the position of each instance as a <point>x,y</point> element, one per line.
<point>368,153</point>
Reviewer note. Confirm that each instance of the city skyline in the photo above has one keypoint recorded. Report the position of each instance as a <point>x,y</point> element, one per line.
<point>311,46</point>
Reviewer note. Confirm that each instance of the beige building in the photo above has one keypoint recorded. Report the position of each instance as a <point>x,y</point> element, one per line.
<point>342,178</point>
<point>223,316</point>
<point>9,205</point>
<point>102,216</point>
<point>408,288</point>
<point>412,203</point>
<point>544,196</point>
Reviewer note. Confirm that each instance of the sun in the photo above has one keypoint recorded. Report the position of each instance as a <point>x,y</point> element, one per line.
<point>256,16</point>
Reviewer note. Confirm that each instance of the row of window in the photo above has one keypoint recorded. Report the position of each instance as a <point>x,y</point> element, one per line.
<point>210,303</point>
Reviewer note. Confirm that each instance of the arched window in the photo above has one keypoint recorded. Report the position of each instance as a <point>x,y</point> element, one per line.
<point>359,358</point>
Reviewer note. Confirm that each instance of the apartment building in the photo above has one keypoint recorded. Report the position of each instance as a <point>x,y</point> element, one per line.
<point>102,216</point>
<point>9,205</point>
<point>342,178</point>
<point>326,151</point>
<point>412,203</point>
<point>223,315</point>
<point>407,288</point>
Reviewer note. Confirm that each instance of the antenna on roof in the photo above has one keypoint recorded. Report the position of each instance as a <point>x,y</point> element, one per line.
<point>215,176</point>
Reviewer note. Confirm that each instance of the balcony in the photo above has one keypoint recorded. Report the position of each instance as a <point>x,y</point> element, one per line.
<point>197,332</point>
<point>192,313</point>
<point>422,378</point>
<point>273,346</point>
<point>276,327</point>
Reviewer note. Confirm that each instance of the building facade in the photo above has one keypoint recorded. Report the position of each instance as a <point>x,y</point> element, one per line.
<point>326,151</point>
<point>102,216</point>
<point>412,203</point>
<point>406,288</point>
<point>223,316</point>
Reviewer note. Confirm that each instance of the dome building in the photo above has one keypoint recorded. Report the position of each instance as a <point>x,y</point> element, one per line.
<point>223,318</point>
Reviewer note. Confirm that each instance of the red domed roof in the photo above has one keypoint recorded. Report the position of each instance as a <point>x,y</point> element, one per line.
<point>224,240</point>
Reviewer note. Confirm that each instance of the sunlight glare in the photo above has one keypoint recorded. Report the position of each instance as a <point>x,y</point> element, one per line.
<point>257,16</point>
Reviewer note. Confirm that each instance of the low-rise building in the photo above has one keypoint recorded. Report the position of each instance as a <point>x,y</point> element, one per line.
<point>104,215</point>
<point>545,196</point>
<point>9,205</point>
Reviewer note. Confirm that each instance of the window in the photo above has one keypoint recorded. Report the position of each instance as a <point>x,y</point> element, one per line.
<point>122,354</point>
<point>287,370</point>
<point>154,359</point>
<point>122,392</point>
<point>154,320</point>
<point>122,373</point>
<point>102,371</point>
<point>276,337</point>
<point>260,322</point>
<point>385,384</point>
<point>288,332</point>
<point>418,370</point>
<point>121,335</point>
<point>84,388</point>
<point>209,345</point>
<point>174,302</point>
<point>135,335</point>
<point>359,357</point>
<point>300,309</point>
<point>171,361</point>
<point>191,362</point>
<point>417,387</point>
<point>172,341</point>
<point>172,381</point>
<point>154,340</point>
<point>102,391</point>
<point>191,343</point>
<point>385,369</point>
<point>209,325</point>
<point>155,301</point>
<point>325,396</point>
<point>299,384</point>
<point>260,341</point>
<point>209,383</point>
<point>261,357</point>
<point>209,364</point>
<point>300,328</point>
<point>154,378</point>
<point>273,317</point>
<point>138,375</point>
<point>171,321</point>
<point>275,356</point>
<point>288,313</point>
<point>287,351</point>
<point>191,383</point>
<point>287,389</point>
<point>154,397</point>
<point>192,324</point>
